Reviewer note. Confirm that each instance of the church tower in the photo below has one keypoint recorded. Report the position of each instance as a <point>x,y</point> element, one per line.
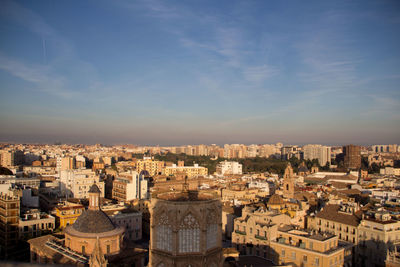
<point>288,182</point>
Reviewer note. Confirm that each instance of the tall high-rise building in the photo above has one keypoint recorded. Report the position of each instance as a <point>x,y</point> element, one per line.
<point>352,157</point>
<point>322,153</point>
<point>185,230</point>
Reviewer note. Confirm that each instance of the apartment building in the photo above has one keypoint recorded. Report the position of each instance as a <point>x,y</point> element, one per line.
<point>377,232</point>
<point>322,153</point>
<point>254,230</point>
<point>9,217</point>
<point>76,183</point>
<point>189,171</point>
<point>153,167</point>
<point>340,220</point>
<point>229,167</point>
<point>130,187</point>
<point>35,223</point>
<point>302,247</point>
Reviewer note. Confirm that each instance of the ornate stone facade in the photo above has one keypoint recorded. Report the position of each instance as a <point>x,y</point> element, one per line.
<point>185,230</point>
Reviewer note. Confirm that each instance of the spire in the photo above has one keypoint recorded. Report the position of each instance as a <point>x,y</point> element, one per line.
<point>97,258</point>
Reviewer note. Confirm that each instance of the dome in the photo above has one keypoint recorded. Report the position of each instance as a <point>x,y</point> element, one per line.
<point>144,173</point>
<point>93,221</point>
<point>94,189</point>
<point>275,200</point>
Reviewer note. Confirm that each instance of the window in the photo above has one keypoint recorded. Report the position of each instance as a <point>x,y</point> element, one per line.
<point>212,233</point>
<point>311,245</point>
<point>108,249</point>
<point>283,253</point>
<point>163,234</point>
<point>293,255</point>
<point>189,235</point>
<point>316,262</point>
<point>258,232</point>
<point>251,230</point>
<point>83,249</point>
<point>304,258</point>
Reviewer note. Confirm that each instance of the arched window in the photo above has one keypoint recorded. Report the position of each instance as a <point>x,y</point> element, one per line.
<point>287,186</point>
<point>164,234</point>
<point>189,235</point>
<point>212,230</point>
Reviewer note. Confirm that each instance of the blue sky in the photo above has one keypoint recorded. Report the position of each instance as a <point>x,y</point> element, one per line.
<point>191,72</point>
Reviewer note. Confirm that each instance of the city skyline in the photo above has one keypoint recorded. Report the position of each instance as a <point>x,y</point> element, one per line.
<point>173,73</point>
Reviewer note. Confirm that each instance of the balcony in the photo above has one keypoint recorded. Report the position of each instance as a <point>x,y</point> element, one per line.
<point>240,232</point>
<point>260,237</point>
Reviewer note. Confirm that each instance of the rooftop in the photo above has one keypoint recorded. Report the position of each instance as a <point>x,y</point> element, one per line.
<point>185,196</point>
<point>305,233</point>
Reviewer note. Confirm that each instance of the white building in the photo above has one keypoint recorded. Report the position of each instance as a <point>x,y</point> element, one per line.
<point>35,223</point>
<point>390,171</point>
<point>76,183</point>
<point>322,153</point>
<point>229,167</point>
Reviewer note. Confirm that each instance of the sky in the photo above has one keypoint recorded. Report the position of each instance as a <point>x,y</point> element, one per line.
<point>189,72</point>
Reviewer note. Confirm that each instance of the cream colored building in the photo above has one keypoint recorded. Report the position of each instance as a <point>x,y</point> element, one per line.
<point>322,153</point>
<point>254,230</point>
<point>340,220</point>
<point>229,167</point>
<point>76,183</point>
<point>376,234</point>
<point>300,247</point>
<point>189,171</point>
<point>153,167</point>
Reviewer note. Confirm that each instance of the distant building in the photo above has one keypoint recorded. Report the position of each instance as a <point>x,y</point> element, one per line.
<point>189,171</point>
<point>68,163</point>
<point>153,167</point>
<point>390,171</point>
<point>76,183</point>
<point>229,167</point>
<point>322,153</point>
<point>385,148</point>
<point>11,158</point>
<point>130,188</point>
<point>352,157</point>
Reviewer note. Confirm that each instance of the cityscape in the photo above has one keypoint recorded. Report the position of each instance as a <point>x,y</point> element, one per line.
<point>229,133</point>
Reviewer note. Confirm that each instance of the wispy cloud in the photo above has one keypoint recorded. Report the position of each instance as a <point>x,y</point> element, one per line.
<point>48,75</point>
<point>39,75</point>
<point>225,45</point>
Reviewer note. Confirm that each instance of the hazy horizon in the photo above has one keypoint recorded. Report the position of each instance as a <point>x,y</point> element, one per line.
<point>173,72</point>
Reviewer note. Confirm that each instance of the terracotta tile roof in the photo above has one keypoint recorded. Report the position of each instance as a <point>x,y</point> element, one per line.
<point>331,213</point>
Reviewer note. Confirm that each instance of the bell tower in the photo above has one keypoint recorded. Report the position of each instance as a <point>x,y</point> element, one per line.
<point>94,197</point>
<point>288,182</point>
